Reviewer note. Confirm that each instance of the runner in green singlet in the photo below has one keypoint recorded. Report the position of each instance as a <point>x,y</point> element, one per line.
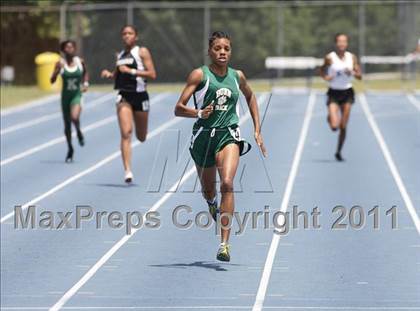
<point>216,144</point>
<point>75,81</point>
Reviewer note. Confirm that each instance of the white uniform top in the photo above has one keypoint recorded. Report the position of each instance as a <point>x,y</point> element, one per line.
<point>341,80</point>
<point>77,64</point>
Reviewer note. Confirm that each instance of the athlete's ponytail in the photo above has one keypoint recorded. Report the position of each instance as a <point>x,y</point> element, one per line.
<point>218,35</point>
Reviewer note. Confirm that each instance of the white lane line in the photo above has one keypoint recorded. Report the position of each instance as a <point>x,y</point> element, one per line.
<point>214,307</point>
<point>61,139</point>
<point>389,160</point>
<point>414,101</point>
<point>30,123</point>
<point>35,103</point>
<point>92,168</point>
<point>55,141</point>
<point>262,289</point>
<point>75,288</point>
<point>87,171</point>
<point>89,105</point>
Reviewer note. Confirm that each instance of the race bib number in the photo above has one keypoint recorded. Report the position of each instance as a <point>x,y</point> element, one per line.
<point>145,105</point>
<point>236,133</point>
<point>119,98</point>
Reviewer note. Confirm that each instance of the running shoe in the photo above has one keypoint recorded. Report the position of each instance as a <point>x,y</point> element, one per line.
<point>338,157</point>
<point>81,138</point>
<point>223,252</point>
<point>128,178</point>
<point>69,156</point>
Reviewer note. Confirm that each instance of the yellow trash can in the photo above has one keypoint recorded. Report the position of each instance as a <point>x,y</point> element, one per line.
<point>45,63</point>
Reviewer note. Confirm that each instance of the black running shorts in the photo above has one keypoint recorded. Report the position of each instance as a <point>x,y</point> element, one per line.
<point>139,101</point>
<point>340,97</point>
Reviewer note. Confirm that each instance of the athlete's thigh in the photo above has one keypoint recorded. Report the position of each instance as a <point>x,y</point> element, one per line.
<point>125,117</point>
<point>207,176</point>
<point>345,114</point>
<point>334,114</point>
<point>227,161</point>
<point>75,111</point>
<point>141,121</point>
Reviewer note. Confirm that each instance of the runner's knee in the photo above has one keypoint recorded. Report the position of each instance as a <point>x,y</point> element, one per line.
<point>67,127</point>
<point>334,125</point>
<point>126,134</point>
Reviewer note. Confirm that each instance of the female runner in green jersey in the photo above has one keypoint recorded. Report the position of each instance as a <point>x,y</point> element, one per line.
<point>75,81</point>
<point>216,144</point>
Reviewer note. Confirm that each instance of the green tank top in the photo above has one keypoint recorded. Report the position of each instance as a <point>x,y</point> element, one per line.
<point>223,93</point>
<point>72,78</point>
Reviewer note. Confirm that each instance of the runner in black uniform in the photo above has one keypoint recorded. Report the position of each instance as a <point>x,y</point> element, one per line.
<point>133,67</point>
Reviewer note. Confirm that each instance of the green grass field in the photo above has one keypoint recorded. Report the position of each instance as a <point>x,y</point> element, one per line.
<point>16,95</point>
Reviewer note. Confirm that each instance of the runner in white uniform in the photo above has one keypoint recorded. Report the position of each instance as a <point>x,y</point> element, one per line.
<point>339,69</point>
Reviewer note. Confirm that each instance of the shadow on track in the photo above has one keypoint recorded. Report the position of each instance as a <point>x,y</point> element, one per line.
<point>198,264</point>
<point>325,161</point>
<point>55,162</point>
<point>116,185</point>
